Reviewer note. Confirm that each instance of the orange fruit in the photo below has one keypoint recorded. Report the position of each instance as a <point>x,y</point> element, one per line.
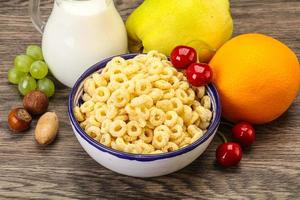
<point>257,77</point>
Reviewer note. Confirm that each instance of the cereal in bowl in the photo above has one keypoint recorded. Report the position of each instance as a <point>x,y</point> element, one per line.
<point>143,106</point>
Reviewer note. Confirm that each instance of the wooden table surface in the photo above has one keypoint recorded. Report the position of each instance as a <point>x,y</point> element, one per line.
<point>271,170</point>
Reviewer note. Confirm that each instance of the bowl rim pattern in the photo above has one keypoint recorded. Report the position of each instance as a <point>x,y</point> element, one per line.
<point>211,90</point>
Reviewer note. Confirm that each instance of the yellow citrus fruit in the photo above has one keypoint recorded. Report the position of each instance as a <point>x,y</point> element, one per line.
<point>257,76</point>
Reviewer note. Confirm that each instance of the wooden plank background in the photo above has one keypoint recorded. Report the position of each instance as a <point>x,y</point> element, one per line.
<point>271,170</point>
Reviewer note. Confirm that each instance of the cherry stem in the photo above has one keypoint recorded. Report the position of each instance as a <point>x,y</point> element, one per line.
<point>226,124</point>
<point>222,136</point>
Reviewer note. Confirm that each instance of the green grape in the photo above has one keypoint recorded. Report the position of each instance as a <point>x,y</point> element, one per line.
<point>23,63</point>
<point>26,85</point>
<point>35,52</point>
<point>14,76</point>
<point>39,70</point>
<point>47,86</point>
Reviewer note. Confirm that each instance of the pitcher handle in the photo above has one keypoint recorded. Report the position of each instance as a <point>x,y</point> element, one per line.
<point>34,13</point>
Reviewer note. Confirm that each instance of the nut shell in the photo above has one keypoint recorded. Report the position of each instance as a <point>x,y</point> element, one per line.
<point>19,120</point>
<point>36,102</point>
<point>46,128</point>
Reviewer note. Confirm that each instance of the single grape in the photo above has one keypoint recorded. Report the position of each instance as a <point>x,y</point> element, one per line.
<point>35,52</point>
<point>26,85</point>
<point>14,76</point>
<point>22,63</point>
<point>39,70</point>
<point>47,86</point>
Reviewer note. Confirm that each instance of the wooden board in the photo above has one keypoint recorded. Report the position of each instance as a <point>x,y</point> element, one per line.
<point>64,171</point>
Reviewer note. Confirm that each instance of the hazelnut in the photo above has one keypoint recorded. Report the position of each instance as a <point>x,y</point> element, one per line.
<point>36,102</point>
<point>19,120</point>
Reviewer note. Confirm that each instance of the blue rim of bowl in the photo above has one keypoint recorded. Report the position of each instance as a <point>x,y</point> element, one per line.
<point>211,90</point>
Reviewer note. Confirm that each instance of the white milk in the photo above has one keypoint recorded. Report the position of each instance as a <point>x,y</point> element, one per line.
<point>78,34</point>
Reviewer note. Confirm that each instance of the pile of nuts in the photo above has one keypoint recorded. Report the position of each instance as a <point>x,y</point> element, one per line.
<point>35,103</point>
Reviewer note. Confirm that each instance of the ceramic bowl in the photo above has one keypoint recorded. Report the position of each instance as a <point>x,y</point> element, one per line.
<point>138,165</point>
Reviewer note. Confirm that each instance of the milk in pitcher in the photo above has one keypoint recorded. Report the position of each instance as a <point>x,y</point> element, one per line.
<point>79,34</point>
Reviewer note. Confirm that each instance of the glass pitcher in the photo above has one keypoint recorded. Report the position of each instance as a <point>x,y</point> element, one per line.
<point>78,34</point>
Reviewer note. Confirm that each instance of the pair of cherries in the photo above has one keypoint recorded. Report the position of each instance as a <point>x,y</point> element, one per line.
<point>184,57</point>
<point>230,153</point>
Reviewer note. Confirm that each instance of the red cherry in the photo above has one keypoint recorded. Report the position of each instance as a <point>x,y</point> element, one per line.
<point>183,56</point>
<point>244,133</point>
<point>199,74</point>
<point>229,154</point>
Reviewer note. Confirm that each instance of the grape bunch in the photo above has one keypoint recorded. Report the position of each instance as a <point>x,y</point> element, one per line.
<point>30,71</point>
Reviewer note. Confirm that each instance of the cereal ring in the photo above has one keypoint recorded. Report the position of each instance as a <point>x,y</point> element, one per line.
<point>117,128</point>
